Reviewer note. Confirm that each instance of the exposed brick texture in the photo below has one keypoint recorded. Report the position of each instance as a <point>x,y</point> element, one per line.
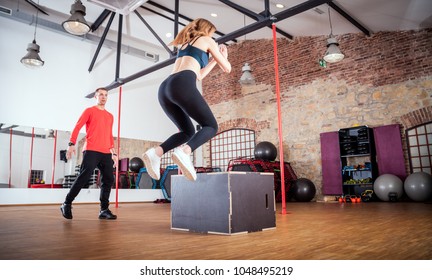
<point>244,123</point>
<point>417,117</point>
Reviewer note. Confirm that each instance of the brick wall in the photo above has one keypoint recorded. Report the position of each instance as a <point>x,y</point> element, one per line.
<point>417,117</point>
<point>382,59</point>
<point>382,80</point>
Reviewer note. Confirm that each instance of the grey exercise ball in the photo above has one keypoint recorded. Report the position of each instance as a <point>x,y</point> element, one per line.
<point>386,184</point>
<point>418,186</point>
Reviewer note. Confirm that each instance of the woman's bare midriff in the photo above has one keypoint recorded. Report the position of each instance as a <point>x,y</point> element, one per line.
<point>186,63</point>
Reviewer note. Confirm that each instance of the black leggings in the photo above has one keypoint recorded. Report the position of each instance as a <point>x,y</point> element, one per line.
<point>181,100</point>
<point>91,160</point>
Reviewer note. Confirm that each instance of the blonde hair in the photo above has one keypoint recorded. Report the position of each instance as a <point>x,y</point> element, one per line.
<point>197,27</point>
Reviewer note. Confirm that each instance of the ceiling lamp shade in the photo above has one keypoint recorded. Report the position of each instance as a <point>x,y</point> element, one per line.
<point>32,58</point>
<point>333,53</point>
<point>247,77</point>
<point>76,24</point>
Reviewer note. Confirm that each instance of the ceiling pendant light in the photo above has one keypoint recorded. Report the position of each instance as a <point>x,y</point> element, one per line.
<point>76,24</point>
<point>247,77</point>
<point>32,59</point>
<point>333,53</point>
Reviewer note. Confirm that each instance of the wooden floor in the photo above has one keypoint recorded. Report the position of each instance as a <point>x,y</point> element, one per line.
<point>309,231</point>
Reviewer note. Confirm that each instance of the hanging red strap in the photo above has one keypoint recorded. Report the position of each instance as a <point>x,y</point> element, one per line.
<point>31,159</point>
<point>54,160</point>
<point>281,158</point>
<point>10,158</point>
<point>118,144</point>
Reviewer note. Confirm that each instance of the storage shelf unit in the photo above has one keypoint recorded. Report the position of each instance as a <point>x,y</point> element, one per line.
<point>358,160</point>
<point>386,156</point>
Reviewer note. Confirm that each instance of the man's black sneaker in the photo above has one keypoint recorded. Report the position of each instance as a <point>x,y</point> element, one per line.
<point>107,215</point>
<point>66,210</point>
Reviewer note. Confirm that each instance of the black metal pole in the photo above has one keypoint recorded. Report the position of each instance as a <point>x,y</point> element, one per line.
<point>176,17</point>
<point>349,18</point>
<point>119,43</point>
<point>173,12</point>
<point>300,8</point>
<point>267,8</point>
<point>101,43</point>
<point>255,16</point>
<point>100,20</point>
<point>154,33</point>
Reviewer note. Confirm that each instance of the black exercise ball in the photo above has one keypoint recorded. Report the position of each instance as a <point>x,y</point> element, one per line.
<point>303,190</point>
<point>265,151</point>
<point>135,164</point>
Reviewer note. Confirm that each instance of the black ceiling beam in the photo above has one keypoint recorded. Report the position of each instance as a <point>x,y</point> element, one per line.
<point>119,43</point>
<point>176,17</point>
<point>148,70</point>
<point>101,42</point>
<point>176,20</point>
<point>113,85</point>
<point>154,33</point>
<point>179,15</point>
<point>121,81</point>
<point>7,128</point>
<point>300,8</point>
<point>37,6</point>
<point>243,10</point>
<point>162,15</point>
<point>255,16</point>
<point>100,20</point>
<point>266,11</point>
<point>168,10</point>
<point>349,18</point>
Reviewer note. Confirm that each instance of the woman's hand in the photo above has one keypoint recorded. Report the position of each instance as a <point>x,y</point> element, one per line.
<point>223,50</point>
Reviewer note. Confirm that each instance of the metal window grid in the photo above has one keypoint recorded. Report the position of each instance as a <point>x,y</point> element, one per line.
<point>36,174</point>
<point>231,144</point>
<point>166,159</point>
<point>419,141</point>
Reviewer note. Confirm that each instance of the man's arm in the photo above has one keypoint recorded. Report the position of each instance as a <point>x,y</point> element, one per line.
<point>72,140</point>
<point>80,123</point>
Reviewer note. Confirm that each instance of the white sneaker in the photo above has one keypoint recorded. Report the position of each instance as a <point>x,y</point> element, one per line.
<point>184,162</point>
<point>152,163</point>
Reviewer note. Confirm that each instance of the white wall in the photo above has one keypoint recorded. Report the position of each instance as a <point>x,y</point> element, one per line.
<point>54,95</point>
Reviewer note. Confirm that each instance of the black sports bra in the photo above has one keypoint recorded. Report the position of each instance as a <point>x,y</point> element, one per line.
<point>201,56</point>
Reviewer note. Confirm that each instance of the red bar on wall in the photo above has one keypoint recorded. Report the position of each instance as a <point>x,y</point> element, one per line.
<point>31,158</point>
<point>10,157</point>
<point>118,144</point>
<point>54,159</point>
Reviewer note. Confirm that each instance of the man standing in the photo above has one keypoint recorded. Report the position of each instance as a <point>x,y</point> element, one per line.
<point>98,151</point>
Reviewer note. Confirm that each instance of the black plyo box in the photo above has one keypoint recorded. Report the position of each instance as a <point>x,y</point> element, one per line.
<point>223,202</point>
